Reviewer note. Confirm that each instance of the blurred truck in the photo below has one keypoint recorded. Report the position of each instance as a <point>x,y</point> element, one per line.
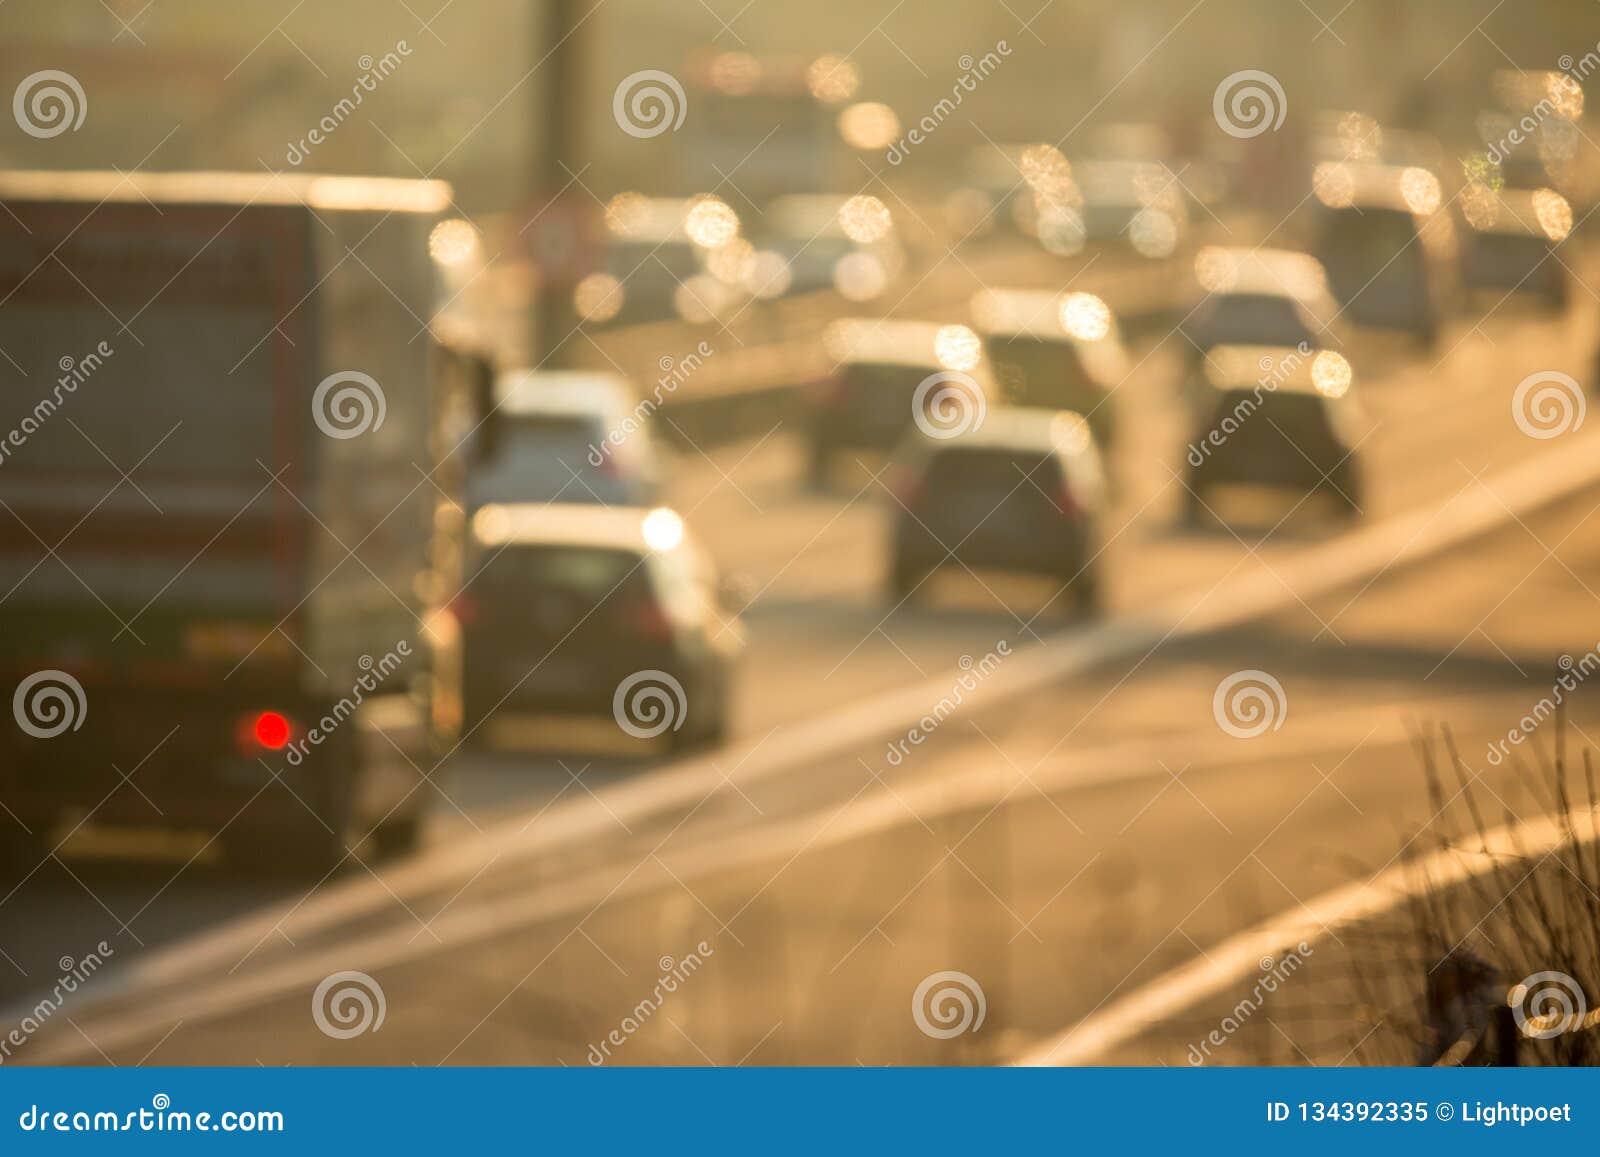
<point>230,517</point>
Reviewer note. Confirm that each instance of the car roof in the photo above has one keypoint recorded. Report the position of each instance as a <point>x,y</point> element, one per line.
<point>1230,269</point>
<point>1534,213</point>
<point>633,217</point>
<point>319,191</point>
<point>563,524</point>
<point>530,393</point>
<point>805,215</point>
<point>884,341</point>
<point>1027,313</point>
<point>1281,369</point>
<point>1040,428</point>
<point>1367,185</point>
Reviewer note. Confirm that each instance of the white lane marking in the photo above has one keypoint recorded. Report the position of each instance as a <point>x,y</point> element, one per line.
<point>974,785</point>
<point>1399,541</point>
<point>1238,957</point>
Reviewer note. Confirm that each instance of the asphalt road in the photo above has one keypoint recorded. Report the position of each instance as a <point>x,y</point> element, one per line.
<point>1058,847</point>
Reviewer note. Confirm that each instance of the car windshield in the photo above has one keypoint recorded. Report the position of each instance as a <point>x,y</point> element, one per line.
<point>1030,368</point>
<point>1254,319</point>
<point>996,471</point>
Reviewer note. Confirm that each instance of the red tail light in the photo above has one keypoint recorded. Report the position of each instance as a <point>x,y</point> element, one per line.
<point>465,609</point>
<point>263,731</point>
<point>825,391</point>
<point>906,485</point>
<point>650,622</point>
<point>1067,503</point>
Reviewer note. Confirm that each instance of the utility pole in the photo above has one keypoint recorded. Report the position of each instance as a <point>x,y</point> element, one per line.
<point>555,237</point>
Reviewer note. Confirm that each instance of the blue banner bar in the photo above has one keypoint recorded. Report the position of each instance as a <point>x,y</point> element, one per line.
<point>879,1111</point>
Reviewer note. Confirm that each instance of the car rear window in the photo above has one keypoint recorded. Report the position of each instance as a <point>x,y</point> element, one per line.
<point>1368,238</point>
<point>590,573</point>
<point>876,376</point>
<point>997,471</point>
<point>1255,319</point>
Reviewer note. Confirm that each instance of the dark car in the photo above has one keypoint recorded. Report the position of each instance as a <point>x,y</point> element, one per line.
<point>1062,351</point>
<point>1267,297</point>
<point>567,436</point>
<point>1023,492</point>
<point>888,376</point>
<point>1389,246</point>
<point>1512,237</point>
<point>580,610</point>
<point>1282,418</point>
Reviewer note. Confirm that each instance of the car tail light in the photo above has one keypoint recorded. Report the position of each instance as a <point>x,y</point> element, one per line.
<point>263,731</point>
<point>825,391</point>
<point>906,485</point>
<point>1067,502</point>
<point>650,621</point>
<point>465,609</point>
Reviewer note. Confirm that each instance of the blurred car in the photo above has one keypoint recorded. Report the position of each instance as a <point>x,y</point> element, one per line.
<point>566,603</point>
<point>1511,238</point>
<point>822,241</point>
<point>1283,418</point>
<point>1023,492</point>
<point>566,436</point>
<point>1058,350</point>
<point>1389,246</point>
<point>1140,204</point>
<point>995,197</point>
<point>888,375</point>
<point>660,263</point>
<point>1267,297</point>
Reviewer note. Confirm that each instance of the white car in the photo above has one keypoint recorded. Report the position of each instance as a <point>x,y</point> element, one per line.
<point>566,437</point>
